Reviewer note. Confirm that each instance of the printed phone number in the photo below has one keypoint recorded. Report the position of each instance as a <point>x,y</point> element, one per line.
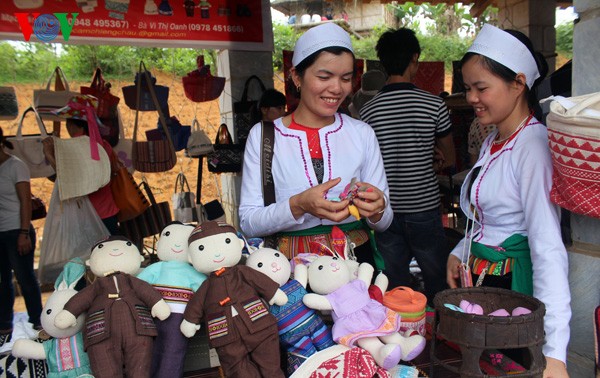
<point>101,23</point>
<point>217,28</point>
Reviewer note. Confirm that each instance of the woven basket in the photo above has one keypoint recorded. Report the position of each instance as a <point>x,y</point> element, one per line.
<point>200,88</point>
<point>475,333</point>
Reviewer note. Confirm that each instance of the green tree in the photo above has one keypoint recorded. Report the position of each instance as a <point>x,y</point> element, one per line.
<point>564,39</point>
<point>284,38</point>
<point>8,62</point>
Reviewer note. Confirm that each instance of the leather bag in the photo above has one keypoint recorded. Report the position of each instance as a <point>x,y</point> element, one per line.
<point>574,138</point>
<point>9,107</point>
<point>151,221</point>
<point>29,148</point>
<point>158,155</point>
<point>227,157</point>
<point>46,100</point>
<point>245,111</point>
<point>127,194</point>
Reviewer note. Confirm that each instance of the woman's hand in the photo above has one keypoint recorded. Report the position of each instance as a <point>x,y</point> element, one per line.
<point>312,201</point>
<point>555,369</point>
<point>452,271</point>
<point>23,244</point>
<point>370,202</point>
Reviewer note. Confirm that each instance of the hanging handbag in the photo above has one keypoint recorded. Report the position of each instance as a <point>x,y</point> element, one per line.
<point>151,221</point>
<point>9,107</point>
<point>99,88</point>
<point>185,209</point>
<point>46,100</point>
<point>152,156</point>
<point>29,148</point>
<point>198,143</point>
<point>245,111</point>
<point>38,208</point>
<point>124,147</point>
<point>138,96</point>
<point>574,137</point>
<point>179,133</point>
<point>127,195</point>
<point>227,157</point>
<point>199,85</point>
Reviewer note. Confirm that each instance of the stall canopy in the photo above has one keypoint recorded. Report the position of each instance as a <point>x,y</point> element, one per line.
<point>216,24</point>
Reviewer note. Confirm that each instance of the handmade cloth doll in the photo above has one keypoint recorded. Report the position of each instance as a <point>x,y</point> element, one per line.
<point>119,328</point>
<point>63,353</point>
<point>176,280</point>
<point>301,331</point>
<point>358,319</point>
<point>230,301</point>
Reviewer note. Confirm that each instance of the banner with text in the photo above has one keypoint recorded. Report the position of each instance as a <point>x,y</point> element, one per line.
<point>219,24</point>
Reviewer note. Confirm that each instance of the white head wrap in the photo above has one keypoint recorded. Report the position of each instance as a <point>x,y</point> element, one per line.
<point>319,37</point>
<point>507,50</point>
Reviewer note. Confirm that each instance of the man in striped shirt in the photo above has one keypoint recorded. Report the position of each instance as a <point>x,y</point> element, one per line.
<point>409,123</point>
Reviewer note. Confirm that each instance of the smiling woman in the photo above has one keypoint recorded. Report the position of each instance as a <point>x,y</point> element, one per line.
<point>317,152</point>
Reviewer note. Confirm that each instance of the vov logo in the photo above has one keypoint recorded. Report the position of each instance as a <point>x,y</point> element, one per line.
<point>46,26</point>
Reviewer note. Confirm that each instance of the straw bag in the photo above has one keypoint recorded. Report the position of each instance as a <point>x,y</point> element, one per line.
<point>9,108</point>
<point>46,101</point>
<point>199,85</point>
<point>410,305</point>
<point>152,156</point>
<point>574,137</point>
<point>198,143</point>
<point>29,148</point>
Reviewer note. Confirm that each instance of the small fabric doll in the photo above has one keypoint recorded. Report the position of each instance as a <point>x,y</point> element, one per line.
<point>358,319</point>
<point>119,328</point>
<point>301,331</point>
<point>176,280</point>
<point>238,322</point>
<point>63,353</point>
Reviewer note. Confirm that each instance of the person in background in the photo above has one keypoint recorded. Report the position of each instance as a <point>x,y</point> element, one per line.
<point>271,105</point>
<point>409,124</point>
<point>17,240</point>
<point>477,134</point>
<point>317,152</point>
<point>371,82</point>
<point>515,242</point>
<point>77,125</point>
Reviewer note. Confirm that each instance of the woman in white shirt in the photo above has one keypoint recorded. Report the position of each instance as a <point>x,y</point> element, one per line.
<point>516,240</point>
<point>317,152</point>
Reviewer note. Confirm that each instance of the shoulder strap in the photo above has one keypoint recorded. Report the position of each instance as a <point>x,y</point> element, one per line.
<point>266,156</point>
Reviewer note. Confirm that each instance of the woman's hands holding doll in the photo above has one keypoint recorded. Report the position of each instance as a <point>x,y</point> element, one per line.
<point>368,201</point>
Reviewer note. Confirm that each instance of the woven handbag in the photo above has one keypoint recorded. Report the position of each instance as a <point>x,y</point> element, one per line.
<point>151,221</point>
<point>227,157</point>
<point>46,101</point>
<point>574,137</point>
<point>199,85</point>
<point>156,155</point>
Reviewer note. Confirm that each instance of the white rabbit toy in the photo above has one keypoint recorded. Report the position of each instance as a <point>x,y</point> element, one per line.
<point>63,353</point>
<point>358,319</point>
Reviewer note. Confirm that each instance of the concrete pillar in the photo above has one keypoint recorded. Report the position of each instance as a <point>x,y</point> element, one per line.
<point>535,18</point>
<point>584,256</point>
<point>237,66</point>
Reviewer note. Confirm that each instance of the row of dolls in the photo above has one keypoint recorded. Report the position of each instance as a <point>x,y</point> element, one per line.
<point>251,308</point>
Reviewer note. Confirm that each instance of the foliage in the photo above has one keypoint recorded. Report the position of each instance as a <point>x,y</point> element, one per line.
<point>285,38</point>
<point>406,14</point>
<point>564,39</point>
<point>364,48</point>
<point>445,48</point>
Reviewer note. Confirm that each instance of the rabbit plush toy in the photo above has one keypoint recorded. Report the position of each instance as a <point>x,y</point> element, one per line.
<point>358,319</point>
<point>176,280</point>
<point>301,331</point>
<point>119,328</point>
<point>63,353</point>
<point>239,324</point>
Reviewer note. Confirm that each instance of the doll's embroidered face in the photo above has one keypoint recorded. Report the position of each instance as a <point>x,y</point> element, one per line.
<point>173,242</point>
<point>115,255</point>
<point>272,263</point>
<point>213,252</point>
<point>327,274</point>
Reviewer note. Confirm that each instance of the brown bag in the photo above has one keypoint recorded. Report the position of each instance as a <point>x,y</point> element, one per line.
<point>156,155</point>
<point>127,195</point>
